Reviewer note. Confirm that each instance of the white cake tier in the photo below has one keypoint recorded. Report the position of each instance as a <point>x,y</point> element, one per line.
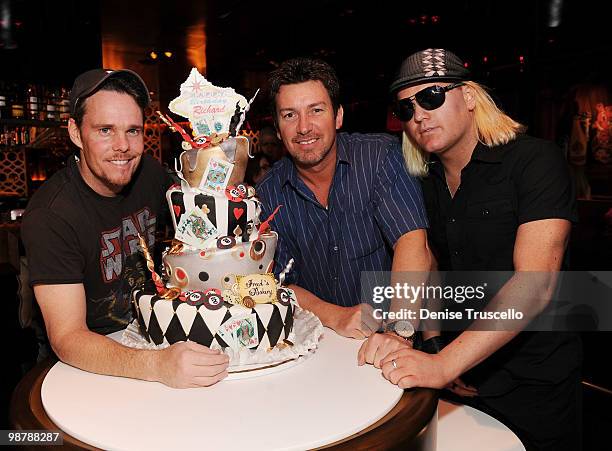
<point>218,267</point>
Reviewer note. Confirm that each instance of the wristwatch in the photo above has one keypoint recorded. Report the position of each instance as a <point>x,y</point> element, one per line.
<point>402,328</point>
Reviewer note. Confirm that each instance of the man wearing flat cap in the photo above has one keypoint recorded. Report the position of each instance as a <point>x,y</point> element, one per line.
<point>81,229</point>
<point>497,200</point>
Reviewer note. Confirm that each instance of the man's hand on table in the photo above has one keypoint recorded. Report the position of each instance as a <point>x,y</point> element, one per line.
<point>414,368</point>
<point>353,322</point>
<point>378,346</point>
<point>188,365</point>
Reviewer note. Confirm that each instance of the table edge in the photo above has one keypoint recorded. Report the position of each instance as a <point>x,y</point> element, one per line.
<point>398,427</point>
<point>27,411</point>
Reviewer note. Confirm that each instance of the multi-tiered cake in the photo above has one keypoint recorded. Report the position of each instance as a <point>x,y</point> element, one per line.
<point>218,288</point>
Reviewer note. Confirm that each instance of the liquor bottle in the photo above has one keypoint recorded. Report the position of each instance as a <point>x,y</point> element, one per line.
<point>52,113</point>
<point>32,101</point>
<point>4,110</point>
<point>3,136</point>
<point>17,110</point>
<point>42,103</point>
<point>64,108</point>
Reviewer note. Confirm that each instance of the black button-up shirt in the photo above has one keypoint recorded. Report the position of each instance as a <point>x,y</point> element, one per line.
<point>501,188</point>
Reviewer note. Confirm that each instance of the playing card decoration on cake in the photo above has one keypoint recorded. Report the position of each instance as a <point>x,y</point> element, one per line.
<point>218,289</point>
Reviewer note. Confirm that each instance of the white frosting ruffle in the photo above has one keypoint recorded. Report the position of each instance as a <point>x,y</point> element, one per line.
<point>307,330</point>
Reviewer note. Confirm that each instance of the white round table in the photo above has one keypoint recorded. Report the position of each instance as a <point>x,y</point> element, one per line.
<point>324,399</point>
<point>463,428</point>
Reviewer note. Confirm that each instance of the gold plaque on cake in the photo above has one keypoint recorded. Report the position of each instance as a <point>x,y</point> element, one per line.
<point>259,287</point>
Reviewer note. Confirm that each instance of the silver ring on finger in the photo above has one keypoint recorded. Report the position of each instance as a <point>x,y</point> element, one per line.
<point>394,364</point>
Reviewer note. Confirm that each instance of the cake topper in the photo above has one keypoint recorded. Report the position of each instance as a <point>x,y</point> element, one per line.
<point>211,110</point>
<point>215,115</point>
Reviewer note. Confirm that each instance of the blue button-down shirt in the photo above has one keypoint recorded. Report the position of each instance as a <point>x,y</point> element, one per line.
<point>372,203</point>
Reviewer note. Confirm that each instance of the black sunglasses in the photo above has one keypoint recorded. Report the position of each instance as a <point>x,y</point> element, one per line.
<point>429,99</point>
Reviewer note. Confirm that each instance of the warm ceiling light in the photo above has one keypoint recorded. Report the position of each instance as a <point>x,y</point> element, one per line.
<point>153,55</point>
<point>168,54</point>
<point>555,9</point>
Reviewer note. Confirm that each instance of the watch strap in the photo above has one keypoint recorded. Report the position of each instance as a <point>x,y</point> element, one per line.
<point>433,345</point>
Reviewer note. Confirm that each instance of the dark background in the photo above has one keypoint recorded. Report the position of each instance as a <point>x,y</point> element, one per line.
<point>53,41</point>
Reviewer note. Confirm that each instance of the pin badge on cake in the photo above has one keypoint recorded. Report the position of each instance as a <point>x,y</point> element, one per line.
<point>284,296</point>
<point>243,189</point>
<point>226,242</point>
<point>234,194</point>
<point>213,300</point>
<point>257,250</point>
<point>248,302</point>
<point>193,298</point>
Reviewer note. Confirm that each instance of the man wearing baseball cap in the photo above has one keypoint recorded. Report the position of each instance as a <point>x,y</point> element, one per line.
<point>497,200</point>
<point>81,229</point>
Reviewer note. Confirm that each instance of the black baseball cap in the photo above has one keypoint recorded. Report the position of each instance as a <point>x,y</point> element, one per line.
<point>88,82</point>
<point>427,66</point>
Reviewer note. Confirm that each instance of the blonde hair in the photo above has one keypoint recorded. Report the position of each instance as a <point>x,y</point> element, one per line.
<point>494,127</point>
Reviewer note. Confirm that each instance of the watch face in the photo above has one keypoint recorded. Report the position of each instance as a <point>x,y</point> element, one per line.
<point>404,328</point>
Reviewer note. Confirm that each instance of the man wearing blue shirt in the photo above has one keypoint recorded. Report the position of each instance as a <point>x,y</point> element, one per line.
<point>348,203</point>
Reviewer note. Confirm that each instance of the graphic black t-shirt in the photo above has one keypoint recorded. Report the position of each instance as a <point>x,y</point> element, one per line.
<point>74,235</point>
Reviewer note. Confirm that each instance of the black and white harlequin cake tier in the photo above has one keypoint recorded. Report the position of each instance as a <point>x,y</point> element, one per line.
<point>162,321</point>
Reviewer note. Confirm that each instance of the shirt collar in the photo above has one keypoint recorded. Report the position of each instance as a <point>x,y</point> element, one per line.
<point>435,166</point>
<point>343,154</point>
<point>286,170</point>
<point>486,154</point>
<point>481,152</point>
